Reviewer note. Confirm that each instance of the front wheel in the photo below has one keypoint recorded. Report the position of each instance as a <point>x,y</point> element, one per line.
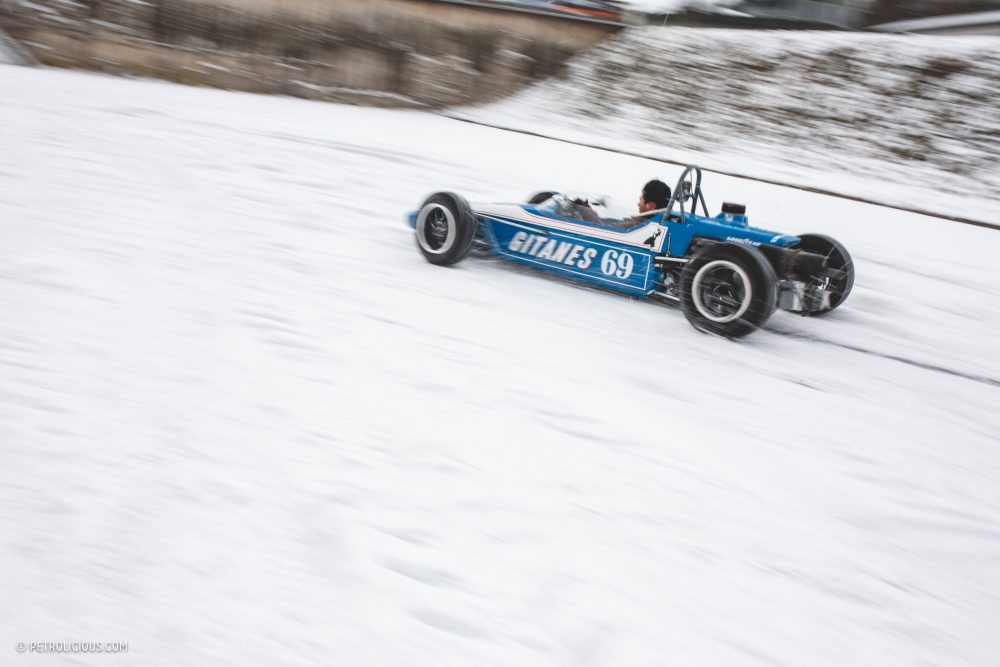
<point>728,290</point>
<point>445,228</point>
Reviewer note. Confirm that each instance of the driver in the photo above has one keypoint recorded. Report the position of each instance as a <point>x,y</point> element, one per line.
<point>654,196</point>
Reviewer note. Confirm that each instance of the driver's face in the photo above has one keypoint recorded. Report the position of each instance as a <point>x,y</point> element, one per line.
<point>644,205</point>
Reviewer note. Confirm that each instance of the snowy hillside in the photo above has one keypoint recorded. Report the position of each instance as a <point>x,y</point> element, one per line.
<point>866,115</point>
<point>243,422</point>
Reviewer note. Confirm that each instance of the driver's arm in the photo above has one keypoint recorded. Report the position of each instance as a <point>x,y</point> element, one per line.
<point>586,212</point>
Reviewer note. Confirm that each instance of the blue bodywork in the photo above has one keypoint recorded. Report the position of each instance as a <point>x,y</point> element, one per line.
<point>597,261</point>
<point>612,255</point>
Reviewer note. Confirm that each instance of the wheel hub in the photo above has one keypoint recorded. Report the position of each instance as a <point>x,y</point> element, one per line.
<point>721,291</point>
<point>436,230</point>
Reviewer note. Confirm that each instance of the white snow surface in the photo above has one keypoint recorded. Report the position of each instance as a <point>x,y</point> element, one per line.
<point>243,422</point>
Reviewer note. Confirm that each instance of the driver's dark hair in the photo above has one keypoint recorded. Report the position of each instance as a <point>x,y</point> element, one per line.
<point>657,192</point>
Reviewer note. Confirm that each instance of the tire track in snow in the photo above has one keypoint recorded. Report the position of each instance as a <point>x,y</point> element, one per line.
<point>982,379</point>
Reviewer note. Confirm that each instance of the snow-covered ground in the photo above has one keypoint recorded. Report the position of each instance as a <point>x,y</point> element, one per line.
<point>242,422</point>
<point>906,120</point>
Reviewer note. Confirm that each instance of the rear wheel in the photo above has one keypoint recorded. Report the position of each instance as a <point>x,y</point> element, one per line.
<point>837,258</point>
<point>728,290</point>
<point>445,228</point>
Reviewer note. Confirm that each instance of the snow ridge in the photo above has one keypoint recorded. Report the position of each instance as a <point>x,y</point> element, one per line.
<point>874,114</point>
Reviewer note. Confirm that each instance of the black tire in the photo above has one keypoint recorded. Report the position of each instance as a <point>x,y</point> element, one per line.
<point>539,197</point>
<point>837,258</point>
<point>445,228</point>
<point>728,290</point>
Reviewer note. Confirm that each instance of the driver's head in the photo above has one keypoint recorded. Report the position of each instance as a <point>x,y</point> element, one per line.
<point>655,194</point>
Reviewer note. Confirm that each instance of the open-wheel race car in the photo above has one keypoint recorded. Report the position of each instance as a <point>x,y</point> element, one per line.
<point>727,276</point>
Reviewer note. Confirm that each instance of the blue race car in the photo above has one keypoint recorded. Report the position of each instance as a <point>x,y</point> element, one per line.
<point>727,276</point>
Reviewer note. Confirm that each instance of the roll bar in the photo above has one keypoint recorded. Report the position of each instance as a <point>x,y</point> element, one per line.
<point>688,187</point>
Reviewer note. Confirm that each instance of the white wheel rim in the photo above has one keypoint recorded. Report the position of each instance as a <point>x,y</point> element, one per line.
<point>696,291</point>
<point>449,240</point>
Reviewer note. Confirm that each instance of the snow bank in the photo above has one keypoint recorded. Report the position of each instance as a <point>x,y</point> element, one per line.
<point>905,120</point>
